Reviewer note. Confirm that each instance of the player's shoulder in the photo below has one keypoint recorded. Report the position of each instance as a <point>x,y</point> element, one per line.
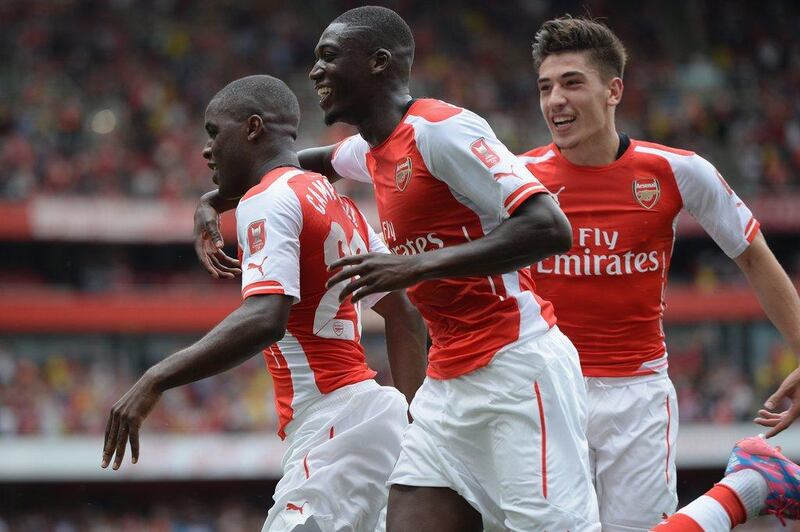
<point>659,150</point>
<point>439,123</point>
<point>682,162</point>
<point>280,185</point>
<point>434,111</point>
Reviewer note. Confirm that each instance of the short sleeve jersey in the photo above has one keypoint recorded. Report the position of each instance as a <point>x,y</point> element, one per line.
<point>442,179</point>
<point>608,289</point>
<point>290,227</point>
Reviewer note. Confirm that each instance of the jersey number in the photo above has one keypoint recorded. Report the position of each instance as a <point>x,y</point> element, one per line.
<point>326,324</point>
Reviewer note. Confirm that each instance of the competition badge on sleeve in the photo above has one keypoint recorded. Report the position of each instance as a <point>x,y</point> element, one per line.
<point>256,236</point>
<point>483,152</point>
<point>647,192</point>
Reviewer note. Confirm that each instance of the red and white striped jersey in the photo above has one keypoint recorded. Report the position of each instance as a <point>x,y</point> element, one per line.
<point>442,179</point>
<point>290,227</point>
<point>608,290</point>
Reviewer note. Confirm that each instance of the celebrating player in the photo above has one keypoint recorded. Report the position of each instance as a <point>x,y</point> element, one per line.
<point>343,429</point>
<point>497,441</point>
<point>622,197</point>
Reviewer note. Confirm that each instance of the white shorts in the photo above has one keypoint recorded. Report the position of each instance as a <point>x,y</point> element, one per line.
<point>633,425</point>
<point>341,451</point>
<point>509,438</point>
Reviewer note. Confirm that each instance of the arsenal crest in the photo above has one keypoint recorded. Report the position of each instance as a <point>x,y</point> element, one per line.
<point>402,174</point>
<point>647,192</point>
<point>338,327</point>
<point>256,236</point>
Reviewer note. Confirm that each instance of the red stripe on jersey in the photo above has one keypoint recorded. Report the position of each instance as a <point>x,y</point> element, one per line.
<point>521,194</point>
<point>331,433</point>
<point>284,390</point>
<point>548,314</point>
<point>544,437</point>
<point>305,465</point>
<point>434,110</point>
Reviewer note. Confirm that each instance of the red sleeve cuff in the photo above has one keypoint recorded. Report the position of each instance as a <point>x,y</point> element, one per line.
<point>751,229</point>
<point>263,287</point>
<point>518,197</point>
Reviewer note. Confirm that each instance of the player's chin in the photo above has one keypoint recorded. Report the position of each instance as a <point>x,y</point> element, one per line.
<point>228,192</point>
<point>331,116</point>
<point>565,142</point>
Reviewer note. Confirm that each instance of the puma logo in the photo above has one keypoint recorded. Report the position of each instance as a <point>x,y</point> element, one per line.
<point>555,194</point>
<point>501,175</point>
<point>296,508</point>
<point>254,266</point>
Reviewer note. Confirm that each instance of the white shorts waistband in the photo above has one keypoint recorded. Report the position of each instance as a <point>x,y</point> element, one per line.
<point>333,399</point>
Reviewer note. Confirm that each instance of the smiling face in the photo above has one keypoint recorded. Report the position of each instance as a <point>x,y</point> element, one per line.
<point>341,75</point>
<point>577,102</point>
<point>226,151</point>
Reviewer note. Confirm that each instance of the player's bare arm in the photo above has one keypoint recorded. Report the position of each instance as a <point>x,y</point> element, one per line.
<point>260,321</point>
<point>780,301</point>
<point>536,230</point>
<point>319,160</point>
<point>405,342</point>
<point>208,241</point>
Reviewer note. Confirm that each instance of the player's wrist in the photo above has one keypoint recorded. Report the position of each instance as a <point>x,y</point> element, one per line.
<point>153,380</point>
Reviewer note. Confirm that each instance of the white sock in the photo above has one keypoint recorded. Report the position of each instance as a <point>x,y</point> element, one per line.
<point>751,488</point>
<point>708,513</point>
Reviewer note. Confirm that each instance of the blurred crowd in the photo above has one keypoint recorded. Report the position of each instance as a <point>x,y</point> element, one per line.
<point>107,98</point>
<point>67,394</point>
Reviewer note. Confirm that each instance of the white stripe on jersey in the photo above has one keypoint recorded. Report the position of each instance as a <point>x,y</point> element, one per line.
<point>527,159</point>
<point>304,385</point>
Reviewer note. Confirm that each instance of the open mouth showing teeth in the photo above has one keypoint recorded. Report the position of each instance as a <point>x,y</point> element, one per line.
<point>561,122</point>
<point>323,93</point>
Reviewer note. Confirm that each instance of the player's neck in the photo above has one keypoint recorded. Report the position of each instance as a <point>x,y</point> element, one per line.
<point>275,159</point>
<point>382,116</point>
<point>598,150</point>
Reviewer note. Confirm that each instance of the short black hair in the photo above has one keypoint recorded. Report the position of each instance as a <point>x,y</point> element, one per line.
<point>581,34</point>
<point>383,29</point>
<point>262,95</point>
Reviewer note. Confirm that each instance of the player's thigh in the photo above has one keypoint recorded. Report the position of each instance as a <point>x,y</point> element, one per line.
<point>340,478</point>
<point>635,454</point>
<point>424,509</point>
<point>540,454</point>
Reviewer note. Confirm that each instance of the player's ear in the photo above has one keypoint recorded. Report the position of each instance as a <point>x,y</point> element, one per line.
<point>380,60</point>
<point>255,127</point>
<point>615,88</point>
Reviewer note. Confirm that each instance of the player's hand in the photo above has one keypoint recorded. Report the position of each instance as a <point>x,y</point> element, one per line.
<point>208,244</point>
<point>376,272</point>
<point>125,419</point>
<point>788,390</point>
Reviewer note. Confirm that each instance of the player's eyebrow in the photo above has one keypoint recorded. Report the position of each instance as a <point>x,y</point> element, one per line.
<point>321,47</point>
<point>568,74</point>
<point>210,126</point>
